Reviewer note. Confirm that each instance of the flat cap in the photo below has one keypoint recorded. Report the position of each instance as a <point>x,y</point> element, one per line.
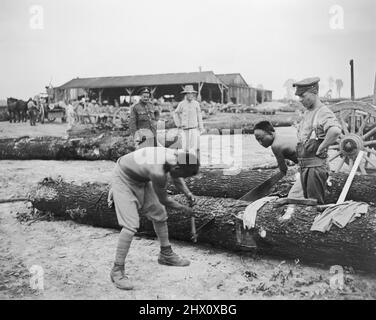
<point>308,84</point>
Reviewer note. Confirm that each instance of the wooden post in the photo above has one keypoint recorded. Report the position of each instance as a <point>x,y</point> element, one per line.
<point>152,92</point>
<point>129,91</point>
<point>220,86</point>
<point>352,79</point>
<point>200,85</point>
<point>100,92</point>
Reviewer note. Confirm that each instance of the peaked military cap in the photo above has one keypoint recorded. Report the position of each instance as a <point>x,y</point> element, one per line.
<point>308,84</point>
<point>145,90</point>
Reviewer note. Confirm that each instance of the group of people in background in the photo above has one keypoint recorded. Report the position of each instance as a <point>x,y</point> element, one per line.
<point>144,116</point>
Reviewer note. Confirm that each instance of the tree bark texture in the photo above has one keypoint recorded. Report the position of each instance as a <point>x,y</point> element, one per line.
<point>355,245</point>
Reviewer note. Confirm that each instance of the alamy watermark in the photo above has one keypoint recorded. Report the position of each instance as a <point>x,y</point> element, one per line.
<point>336,17</point>
<point>36,20</point>
<point>36,277</point>
<point>337,280</point>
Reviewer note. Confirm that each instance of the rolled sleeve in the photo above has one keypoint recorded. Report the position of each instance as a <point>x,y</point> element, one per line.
<point>327,119</point>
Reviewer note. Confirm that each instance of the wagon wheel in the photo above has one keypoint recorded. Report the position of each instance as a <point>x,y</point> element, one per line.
<point>120,116</point>
<point>358,121</point>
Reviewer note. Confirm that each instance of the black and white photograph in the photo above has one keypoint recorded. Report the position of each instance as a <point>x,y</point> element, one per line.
<point>187,156</point>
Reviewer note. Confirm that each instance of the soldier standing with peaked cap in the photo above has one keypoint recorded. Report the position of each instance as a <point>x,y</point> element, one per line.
<point>143,121</point>
<point>318,130</point>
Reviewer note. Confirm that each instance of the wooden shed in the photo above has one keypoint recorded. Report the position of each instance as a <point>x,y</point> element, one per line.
<point>239,92</point>
<point>208,86</point>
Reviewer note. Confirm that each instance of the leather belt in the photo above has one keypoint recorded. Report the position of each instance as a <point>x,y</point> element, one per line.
<point>311,162</point>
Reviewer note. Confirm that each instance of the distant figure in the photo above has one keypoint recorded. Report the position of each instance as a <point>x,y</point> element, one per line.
<point>32,111</point>
<point>188,119</point>
<point>80,111</point>
<point>69,110</point>
<point>143,121</point>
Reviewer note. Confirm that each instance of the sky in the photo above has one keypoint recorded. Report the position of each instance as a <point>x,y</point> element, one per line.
<point>267,41</point>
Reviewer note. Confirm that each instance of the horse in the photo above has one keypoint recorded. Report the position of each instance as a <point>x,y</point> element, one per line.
<point>17,110</point>
<point>22,109</point>
<point>12,109</point>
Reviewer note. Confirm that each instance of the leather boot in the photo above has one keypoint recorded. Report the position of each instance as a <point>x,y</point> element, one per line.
<point>119,279</point>
<point>172,259</point>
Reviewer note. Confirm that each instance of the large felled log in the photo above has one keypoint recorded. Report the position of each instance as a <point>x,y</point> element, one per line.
<point>210,182</point>
<point>355,245</point>
<point>102,147</point>
<point>232,184</point>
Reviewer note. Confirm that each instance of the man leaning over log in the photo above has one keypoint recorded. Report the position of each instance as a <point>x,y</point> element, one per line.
<point>318,129</point>
<point>283,149</point>
<point>139,185</point>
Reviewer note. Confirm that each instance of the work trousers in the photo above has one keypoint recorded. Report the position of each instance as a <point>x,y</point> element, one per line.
<point>314,182</point>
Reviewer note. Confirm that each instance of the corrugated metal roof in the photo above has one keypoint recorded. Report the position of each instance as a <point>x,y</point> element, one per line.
<point>143,80</point>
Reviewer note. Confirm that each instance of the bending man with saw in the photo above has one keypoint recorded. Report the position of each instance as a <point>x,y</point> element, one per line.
<point>139,185</point>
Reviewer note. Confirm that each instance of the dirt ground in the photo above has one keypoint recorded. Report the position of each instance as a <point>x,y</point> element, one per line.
<point>12,130</point>
<point>76,259</point>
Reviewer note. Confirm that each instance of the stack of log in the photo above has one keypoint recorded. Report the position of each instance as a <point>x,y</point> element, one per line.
<point>217,191</point>
<point>355,245</point>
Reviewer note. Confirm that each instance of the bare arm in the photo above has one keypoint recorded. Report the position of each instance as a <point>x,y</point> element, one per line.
<point>182,187</point>
<point>331,137</point>
<point>280,160</point>
<point>159,186</point>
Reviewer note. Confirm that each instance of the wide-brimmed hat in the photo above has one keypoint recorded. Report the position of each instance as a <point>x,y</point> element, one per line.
<point>189,89</point>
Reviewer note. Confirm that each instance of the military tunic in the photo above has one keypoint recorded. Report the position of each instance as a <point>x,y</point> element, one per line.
<point>143,124</point>
<point>314,169</point>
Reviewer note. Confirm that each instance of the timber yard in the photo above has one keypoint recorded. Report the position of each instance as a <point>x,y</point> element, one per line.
<point>189,185</point>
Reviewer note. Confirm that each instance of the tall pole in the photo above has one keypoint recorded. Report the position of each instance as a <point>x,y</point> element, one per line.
<point>352,80</point>
<point>374,92</point>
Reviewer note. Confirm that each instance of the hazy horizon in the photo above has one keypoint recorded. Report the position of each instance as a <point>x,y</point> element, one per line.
<point>267,41</point>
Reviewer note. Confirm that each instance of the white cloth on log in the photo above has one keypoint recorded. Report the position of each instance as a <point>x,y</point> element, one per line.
<point>339,214</point>
<point>250,213</point>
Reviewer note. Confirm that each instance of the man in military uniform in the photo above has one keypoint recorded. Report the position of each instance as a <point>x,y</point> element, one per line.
<point>143,121</point>
<point>318,129</point>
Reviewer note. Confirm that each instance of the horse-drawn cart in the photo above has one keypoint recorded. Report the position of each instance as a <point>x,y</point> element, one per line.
<point>53,112</point>
<point>358,121</point>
